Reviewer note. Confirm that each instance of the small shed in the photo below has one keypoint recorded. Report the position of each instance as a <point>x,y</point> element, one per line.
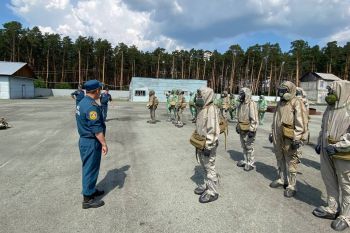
<point>315,85</point>
<point>140,87</point>
<point>16,80</point>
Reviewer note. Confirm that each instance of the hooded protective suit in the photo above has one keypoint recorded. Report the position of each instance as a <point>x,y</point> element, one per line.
<point>262,107</point>
<point>335,169</point>
<point>207,124</point>
<point>152,105</point>
<point>180,106</point>
<point>289,127</point>
<point>247,125</point>
<point>225,104</point>
<point>233,106</point>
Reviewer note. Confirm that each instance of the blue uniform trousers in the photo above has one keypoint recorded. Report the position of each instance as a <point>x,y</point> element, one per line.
<point>90,154</point>
<point>104,111</point>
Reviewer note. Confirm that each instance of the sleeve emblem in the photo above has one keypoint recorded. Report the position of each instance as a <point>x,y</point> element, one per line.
<point>93,115</point>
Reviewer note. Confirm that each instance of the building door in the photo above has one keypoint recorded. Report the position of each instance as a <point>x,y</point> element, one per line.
<point>23,91</point>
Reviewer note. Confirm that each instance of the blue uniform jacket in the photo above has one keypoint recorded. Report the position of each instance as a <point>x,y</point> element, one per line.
<point>105,98</point>
<point>79,95</point>
<point>89,118</point>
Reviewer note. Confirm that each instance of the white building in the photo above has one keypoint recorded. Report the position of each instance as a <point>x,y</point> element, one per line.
<point>315,85</point>
<point>140,87</point>
<point>16,80</point>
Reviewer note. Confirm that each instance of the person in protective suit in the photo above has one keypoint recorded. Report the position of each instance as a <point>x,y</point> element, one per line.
<point>334,149</point>
<point>198,108</point>
<point>225,104</point>
<point>208,125</point>
<point>176,100</point>
<point>246,127</point>
<point>167,96</point>
<point>232,108</point>
<point>172,103</point>
<point>180,106</point>
<point>192,106</point>
<point>152,106</point>
<point>289,129</point>
<point>262,107</point>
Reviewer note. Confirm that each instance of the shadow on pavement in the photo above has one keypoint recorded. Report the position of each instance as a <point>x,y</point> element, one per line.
<point>198,176</point>
<point>310,163</point>
<point>114,178</point>
<point>308,194</point>
<point>268,171</point>
<point>236,155</point>
<point>269,147</point>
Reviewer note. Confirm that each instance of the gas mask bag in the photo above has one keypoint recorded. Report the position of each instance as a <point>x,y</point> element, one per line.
<point>331,97</point>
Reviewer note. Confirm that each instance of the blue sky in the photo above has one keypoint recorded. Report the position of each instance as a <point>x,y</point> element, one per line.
<point>183,24</point>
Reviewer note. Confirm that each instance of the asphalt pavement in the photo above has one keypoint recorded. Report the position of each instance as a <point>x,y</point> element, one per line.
<point>148,176</point>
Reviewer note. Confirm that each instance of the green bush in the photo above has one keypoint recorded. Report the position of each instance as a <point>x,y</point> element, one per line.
<point>62,86</point>
<point>39,83</point>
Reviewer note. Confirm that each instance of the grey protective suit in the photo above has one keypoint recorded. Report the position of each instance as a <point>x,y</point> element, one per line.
<point>292,114</point>
<point>152,107</point>
<point>335,170</point>
<point>207,124</point>
<point>247,114</point>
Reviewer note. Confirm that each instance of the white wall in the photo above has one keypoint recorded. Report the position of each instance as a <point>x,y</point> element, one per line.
<point>21,88</point>
<point>4,88</point>
<point>42,92</point>
<point>68,92</point>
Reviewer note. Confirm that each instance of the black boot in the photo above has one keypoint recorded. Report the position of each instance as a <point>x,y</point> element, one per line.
<point>241,163</point>
<point>199,190</point>
<point>205,198</point>
<point>276,184</point>
<point>98,193</point>
<point>339,224</point>
<point>91,202</point>
<point>289,192</point>
<point>320,212</point>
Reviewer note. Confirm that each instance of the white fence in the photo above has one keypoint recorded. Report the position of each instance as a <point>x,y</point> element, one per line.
<point>44,92</point>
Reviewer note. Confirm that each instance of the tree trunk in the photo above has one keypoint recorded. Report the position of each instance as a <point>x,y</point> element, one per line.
<point>182,68</point>
<point>197,72</point>
<point>79,66</point>
<point>232,74</point>
<point>103,67</point>
<point>173,68</point>
<point>297,73</point>
<point>47,66</point>
<point>258,79</point>
<point>157,74</point>
<point>121,70</point>
<point>270,83</point>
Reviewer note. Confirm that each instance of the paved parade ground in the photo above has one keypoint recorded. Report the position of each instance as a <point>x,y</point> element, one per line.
<point>149,177</point>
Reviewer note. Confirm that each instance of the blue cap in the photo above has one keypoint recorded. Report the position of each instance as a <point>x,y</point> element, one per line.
<point>92,85</point>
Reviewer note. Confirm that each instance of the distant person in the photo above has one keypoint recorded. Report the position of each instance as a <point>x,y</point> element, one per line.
<point>192,105</point>
<point>247,115</point>
<point>262,107</point>
<point>92,143</point>
<point>152,106</point>
<point>78,95</point>
<point>225,104</point>
<point>233,106</point>
<point>180,106</point>
<point>104,99</point>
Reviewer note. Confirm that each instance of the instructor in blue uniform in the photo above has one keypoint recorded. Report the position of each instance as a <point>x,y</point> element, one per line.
<point>104,99</point>
<point>92,143</point>
<point>78,95</point>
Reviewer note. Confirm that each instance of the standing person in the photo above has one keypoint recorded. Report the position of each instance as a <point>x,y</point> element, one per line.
<point>246,127</point>
<point>78,95</point>
<point>92,143</point>
<point>262,107</point>
<point>232,108</point>
<point>334,149</point>
<point>172,103</point>
<point>168,106</point>
<point>192,105</point>
<point>180,106</point>
<point>225,104</point>
<point>152,106</point>
<point>175,99</point>
<point>289,129</point>
<point>104,99</point>
<point>197,107</point>
<point>207,126</point>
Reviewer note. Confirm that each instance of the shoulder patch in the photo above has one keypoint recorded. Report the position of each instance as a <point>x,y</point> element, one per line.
<point>92,115</point>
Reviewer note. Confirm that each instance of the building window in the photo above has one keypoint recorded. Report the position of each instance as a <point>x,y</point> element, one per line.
<point>322,84</point>
<point>140,93</point>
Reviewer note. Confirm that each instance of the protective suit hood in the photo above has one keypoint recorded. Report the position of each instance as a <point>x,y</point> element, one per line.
<point>248,94</point>
<point>342,91</point>
<point>207,95</point>
<point>292,89</point>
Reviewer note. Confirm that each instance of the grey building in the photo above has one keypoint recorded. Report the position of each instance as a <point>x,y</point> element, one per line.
<point>315,85</point>
<point>140,87</point>
<point>16,80</point>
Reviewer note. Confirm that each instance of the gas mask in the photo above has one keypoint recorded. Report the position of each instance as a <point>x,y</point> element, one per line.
<point>299,93</point>
<point>222,96</point>
<point>200,102</point>
<point>331,97</point>
<point>241,96</point>
<point>283,93</point>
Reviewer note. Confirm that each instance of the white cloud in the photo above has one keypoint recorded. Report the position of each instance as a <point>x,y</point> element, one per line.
<point>182,23</point>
